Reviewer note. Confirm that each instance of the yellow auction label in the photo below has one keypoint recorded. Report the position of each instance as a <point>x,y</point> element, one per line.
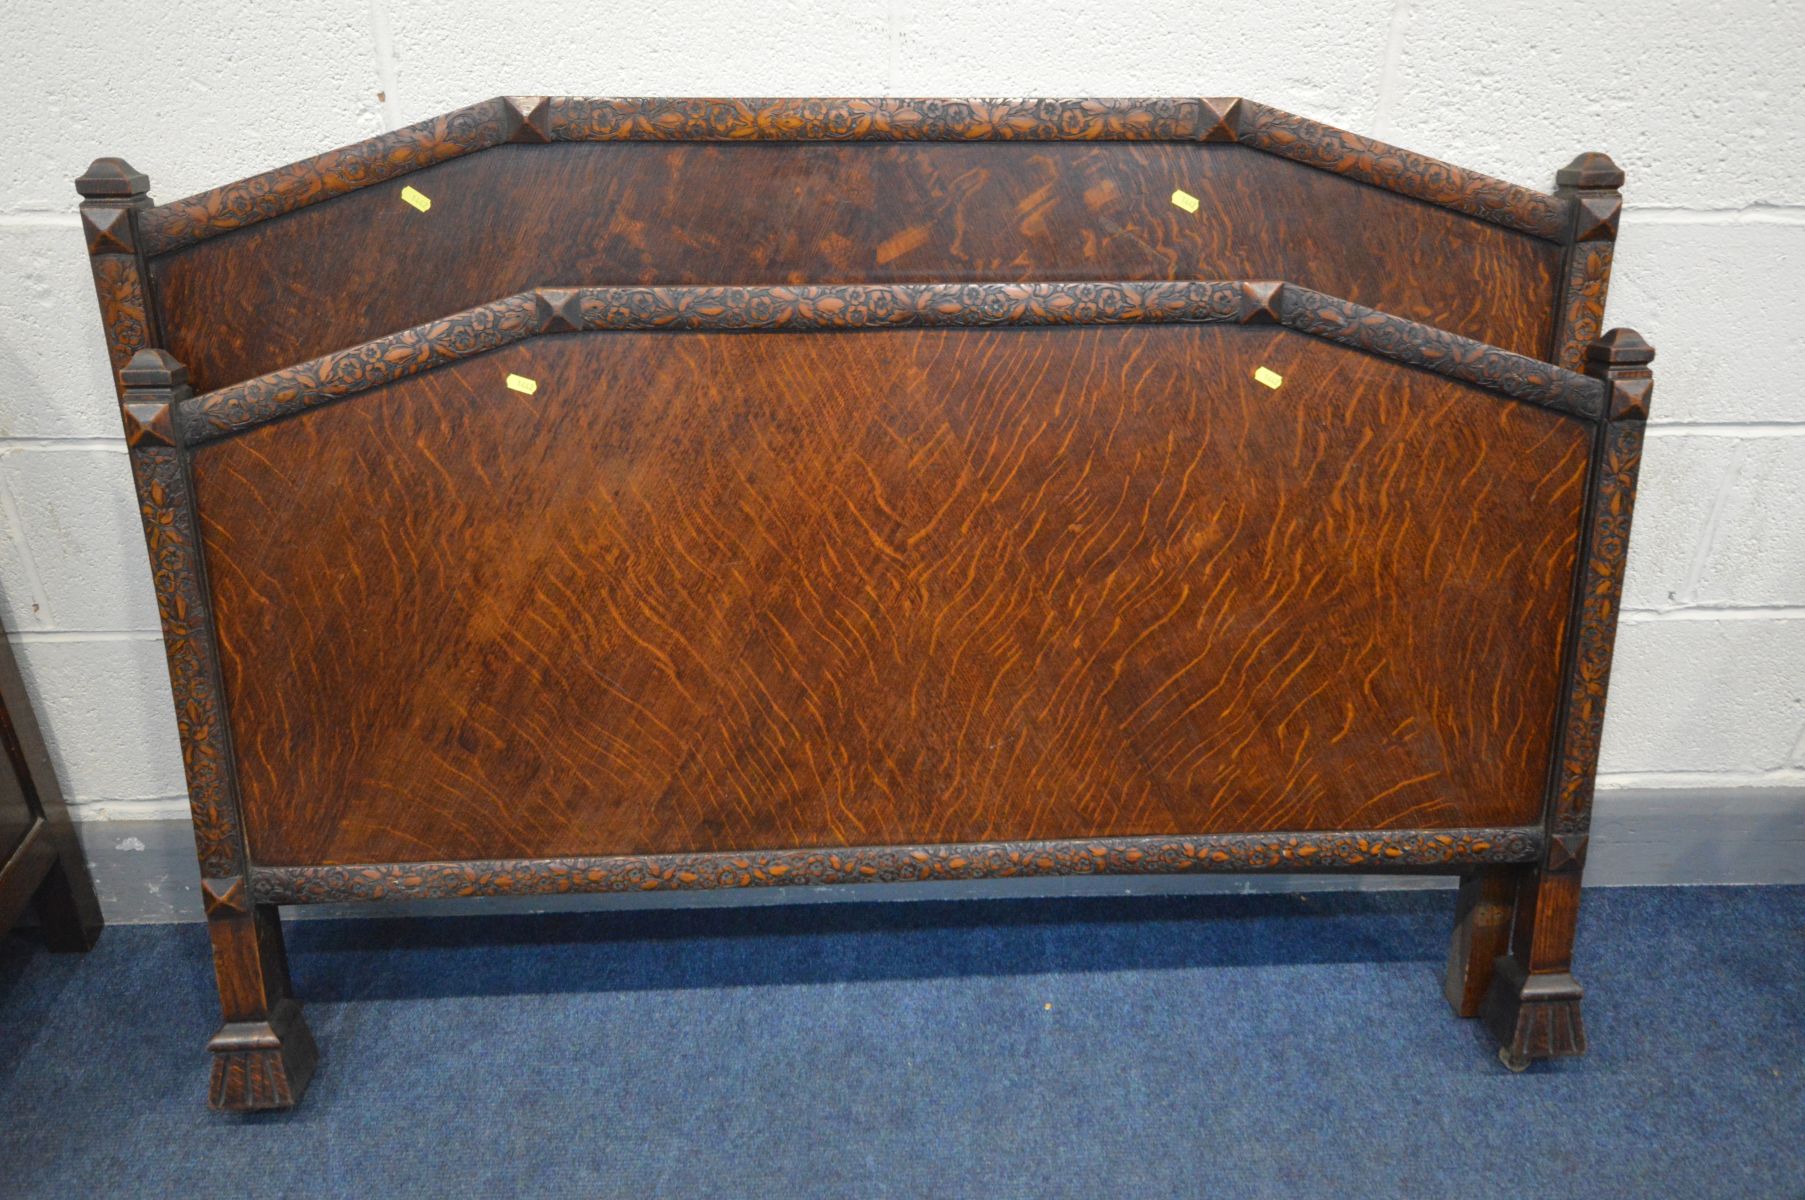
<point>416,197</point>
<point>1185,200</point>
<point>1268,376</point>
<point>525,386</point>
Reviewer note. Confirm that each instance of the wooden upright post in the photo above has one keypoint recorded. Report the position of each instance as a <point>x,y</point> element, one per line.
<point>1533,1004</point>
<point>263,1055</point>
<point>1592,185</point>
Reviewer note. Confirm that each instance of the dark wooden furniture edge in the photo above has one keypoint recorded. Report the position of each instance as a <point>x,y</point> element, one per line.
<point>516,119</point>
<point>23,871</point>
<point>1377,850</point>
<point>48,867</point>
<point>123,226</point>
<point>525,315</point>
<point>263,1054</point>
<point>114,200</point>
<point>1532,1003</point>
<point>1591,185</point>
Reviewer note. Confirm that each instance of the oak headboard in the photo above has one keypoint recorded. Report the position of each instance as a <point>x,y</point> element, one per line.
<point>523,192</point>
<point>481,577</point>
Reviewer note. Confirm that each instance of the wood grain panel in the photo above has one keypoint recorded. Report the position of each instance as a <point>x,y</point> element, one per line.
<point>716,591</point>
<point>568,214</point>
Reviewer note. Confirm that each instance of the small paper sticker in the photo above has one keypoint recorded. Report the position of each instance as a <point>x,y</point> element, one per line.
<point>1268,376</point>
<point>417,198</point>
<point>525,386</point>
<point>1185,200</point>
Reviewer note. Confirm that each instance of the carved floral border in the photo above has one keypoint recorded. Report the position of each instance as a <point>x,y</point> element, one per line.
<point>1613,504</point>
<point>868,306</point>
<point>1582,318</point>
<point>495,122</point>
<point>179,223</point>
<point>165,503</point>
<point>1444,353</point>
<point>1404,171</point>
<point>123,314</point>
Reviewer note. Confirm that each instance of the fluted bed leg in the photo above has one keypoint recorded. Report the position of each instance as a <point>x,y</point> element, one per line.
<point>1533,1004</point>
<point>264,1054</point>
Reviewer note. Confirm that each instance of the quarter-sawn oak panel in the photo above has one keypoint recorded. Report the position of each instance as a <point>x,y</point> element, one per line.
<point>518,217</point>
<point>730,591</point>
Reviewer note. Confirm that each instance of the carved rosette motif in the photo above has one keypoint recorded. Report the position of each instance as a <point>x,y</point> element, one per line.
<point>1613,503</point>
<point>165,505</point>
<point>1439,351</point>
<point>1588,280</point>
<point>900,305</point>
<point>1417,175</point>
<point>1369,851</point>
<point>297,185</point>
<point>345,372</point>
<point>883,119</point>
<point>873,306</point>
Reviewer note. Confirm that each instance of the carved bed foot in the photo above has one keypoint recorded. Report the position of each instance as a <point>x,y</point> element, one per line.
<point>259,1065</point>
<point>264,1054</point>
<point>1534,1016</point>
<point>1532,1005</point>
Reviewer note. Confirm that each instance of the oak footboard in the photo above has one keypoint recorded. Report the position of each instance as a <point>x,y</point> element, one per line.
<point>598,589</point>
<point>931,566</point>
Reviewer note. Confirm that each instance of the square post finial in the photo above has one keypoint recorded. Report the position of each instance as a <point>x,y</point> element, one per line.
<point>112,179</point>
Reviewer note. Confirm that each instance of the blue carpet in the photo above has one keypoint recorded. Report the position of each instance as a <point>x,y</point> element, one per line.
<point>1182,1046</point>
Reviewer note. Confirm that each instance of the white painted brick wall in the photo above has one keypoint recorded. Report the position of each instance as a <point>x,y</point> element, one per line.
<point>213,89</point>
<point>104,703</point>
<point>54,379</point>
<point>1718,296</point>
<point>75,549</point>
<point>1698,695</point>
<point>1702,104</point>
<point>1696,100</point>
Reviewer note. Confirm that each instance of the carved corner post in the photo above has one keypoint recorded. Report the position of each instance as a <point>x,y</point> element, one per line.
<point>1533,1005</point>
<point>113,198</point>
<point>263,1055</point>
<point>1591,184</point>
